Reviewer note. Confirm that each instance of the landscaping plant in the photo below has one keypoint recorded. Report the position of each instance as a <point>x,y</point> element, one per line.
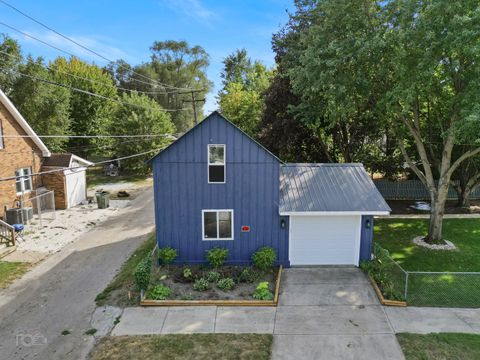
<point>200,284</point>
<point>213,276</point>
<point>248,275</point>
<point>160,292</point>
<point>187,273</point>
<point>262,292</point>
<point>216,257</point>
<point>226,284</point>
<point>167,255</point>
<point>264,258</point>
<point>142,273</point>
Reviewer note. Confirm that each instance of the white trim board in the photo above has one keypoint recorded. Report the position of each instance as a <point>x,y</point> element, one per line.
<point>332,213</point>
<point>23,123</point>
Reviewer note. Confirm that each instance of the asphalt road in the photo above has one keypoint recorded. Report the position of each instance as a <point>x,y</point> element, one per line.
<point>59,293</point>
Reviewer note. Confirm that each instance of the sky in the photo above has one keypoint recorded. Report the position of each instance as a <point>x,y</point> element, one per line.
<point>126,29</point>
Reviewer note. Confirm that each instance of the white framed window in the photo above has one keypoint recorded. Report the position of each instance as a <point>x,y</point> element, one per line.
<point>23,180</point>
<point>2,145</point>
<point>216,164</point>
<point>217,224</point>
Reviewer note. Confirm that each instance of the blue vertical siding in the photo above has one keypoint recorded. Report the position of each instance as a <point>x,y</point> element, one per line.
<point>251,190</point>
<point>366,238</point>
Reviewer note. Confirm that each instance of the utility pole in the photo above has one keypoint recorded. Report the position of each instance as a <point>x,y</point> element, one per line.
<point>194,102</point>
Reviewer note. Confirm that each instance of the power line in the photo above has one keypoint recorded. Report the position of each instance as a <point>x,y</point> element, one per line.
<point>85,47</point>
<point>79,167</point>
<point>91,80</point>
<point>88,92</point>
<point>91,136</point>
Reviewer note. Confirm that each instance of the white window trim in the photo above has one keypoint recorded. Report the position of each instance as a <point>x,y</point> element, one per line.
<point>218,224</point>
<point>224,163</point>
<point>2,139</point>
<point>24,191</point>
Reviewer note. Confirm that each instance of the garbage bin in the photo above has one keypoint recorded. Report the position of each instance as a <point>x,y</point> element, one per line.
<point>103,199</point>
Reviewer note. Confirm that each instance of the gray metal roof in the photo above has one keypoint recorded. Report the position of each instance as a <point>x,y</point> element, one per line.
<point>328,187</point>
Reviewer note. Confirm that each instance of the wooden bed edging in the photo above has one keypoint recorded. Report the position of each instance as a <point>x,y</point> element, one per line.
<point>274,302</point>
<point>384,301</point>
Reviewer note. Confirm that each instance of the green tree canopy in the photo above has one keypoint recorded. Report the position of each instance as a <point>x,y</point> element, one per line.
<point>148,118</point>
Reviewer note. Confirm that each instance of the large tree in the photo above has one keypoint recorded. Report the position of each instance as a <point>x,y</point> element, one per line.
<point>89,115</point>
<point>435,58</point>
<point>10,59</point>
<point>147,118</point>
<point>244,82</point>
<point>46,107</point>
<point>175,67</point>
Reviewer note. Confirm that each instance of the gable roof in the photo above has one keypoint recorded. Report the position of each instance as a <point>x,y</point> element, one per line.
<point>23,124</point>
<point>211,116</point>
<point>64,160</point>
<point>345,188</point>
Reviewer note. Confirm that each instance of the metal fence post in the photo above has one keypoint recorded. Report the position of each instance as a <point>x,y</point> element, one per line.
<point>406,285</point>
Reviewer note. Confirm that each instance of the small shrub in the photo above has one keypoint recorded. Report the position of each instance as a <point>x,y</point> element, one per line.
<point>160,292</point>
<point>142,273</point>
<point>167,255</point>
<point>213,276</point>
<point>226,284</point>
<point>262,292</point>
<point>264,258</point>
<point>248,275</point>
<point>216,257</point>
<point>200,284</point>
<point>90,332</point>
<point>187,273</point>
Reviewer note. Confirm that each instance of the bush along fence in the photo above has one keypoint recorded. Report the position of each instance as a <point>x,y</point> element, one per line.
<point>422,288</point>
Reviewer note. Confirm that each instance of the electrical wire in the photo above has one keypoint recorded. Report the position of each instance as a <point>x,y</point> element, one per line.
<point>88,92</point>
<point>85,47</point>
<point>79,167</point>
<point>91,80</point>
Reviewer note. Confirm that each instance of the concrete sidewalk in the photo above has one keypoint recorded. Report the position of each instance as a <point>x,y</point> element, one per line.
<point>433,320</point>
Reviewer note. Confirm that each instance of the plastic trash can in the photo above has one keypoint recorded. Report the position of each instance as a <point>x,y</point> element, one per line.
<point>103,199</point>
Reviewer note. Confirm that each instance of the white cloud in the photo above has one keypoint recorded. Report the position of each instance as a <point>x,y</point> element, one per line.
<point>95,43</point>
<point>191,8</point>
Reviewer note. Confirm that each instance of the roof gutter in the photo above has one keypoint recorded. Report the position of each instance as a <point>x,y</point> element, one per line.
<point>332,213</point>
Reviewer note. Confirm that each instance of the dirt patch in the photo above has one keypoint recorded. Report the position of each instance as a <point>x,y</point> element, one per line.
<point>183,288</point>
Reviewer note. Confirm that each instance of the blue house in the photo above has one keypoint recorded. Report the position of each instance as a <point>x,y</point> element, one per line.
<point>216,186</point>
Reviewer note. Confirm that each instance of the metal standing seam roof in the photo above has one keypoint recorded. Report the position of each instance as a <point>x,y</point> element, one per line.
<point>327,188</point>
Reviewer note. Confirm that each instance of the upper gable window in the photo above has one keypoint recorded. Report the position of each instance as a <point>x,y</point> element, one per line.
<point>216,164</point>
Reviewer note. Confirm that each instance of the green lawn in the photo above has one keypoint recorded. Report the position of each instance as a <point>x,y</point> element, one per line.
<point>116,293</point>
<point>194,346</point>
<point>446,290</point>
<point>443,346</point>
<point>9,271</point>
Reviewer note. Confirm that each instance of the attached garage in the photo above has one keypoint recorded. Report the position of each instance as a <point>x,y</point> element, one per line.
<point>330,209</point>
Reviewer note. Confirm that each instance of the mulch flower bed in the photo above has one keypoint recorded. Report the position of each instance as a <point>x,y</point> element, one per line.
<point>181,280</point>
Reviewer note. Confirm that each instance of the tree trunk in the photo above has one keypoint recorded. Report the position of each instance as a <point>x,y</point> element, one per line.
<point>464,197</point>
<point>436,216</point>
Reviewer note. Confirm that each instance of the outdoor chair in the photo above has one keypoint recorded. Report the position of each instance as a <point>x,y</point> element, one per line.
<point>19,231</point>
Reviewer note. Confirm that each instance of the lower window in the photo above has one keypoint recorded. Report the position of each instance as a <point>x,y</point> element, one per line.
<point>23,181</point>
<point>217,224</point>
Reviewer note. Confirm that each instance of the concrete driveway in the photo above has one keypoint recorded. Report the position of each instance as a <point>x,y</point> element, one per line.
<point>331,313</point>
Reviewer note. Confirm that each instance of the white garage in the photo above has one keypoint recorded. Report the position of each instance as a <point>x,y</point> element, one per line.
<point>330,209</point>
<point>325,240</point>
<point>65,174</point>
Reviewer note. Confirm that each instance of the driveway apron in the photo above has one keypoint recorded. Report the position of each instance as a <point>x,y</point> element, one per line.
<point>331,313</point>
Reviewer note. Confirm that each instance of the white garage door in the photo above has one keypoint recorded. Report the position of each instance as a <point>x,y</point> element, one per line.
<point>76,187</point>
<point>324,240</point>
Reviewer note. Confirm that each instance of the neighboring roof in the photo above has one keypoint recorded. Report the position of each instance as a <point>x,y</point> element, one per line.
<point>329,188</point>
<point>23,123</point>
<point>64,160</point>
<point>212,115</point>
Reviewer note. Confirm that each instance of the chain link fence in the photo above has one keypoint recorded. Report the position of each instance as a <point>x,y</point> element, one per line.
<point>423,288</point>
<point>42,207</point>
